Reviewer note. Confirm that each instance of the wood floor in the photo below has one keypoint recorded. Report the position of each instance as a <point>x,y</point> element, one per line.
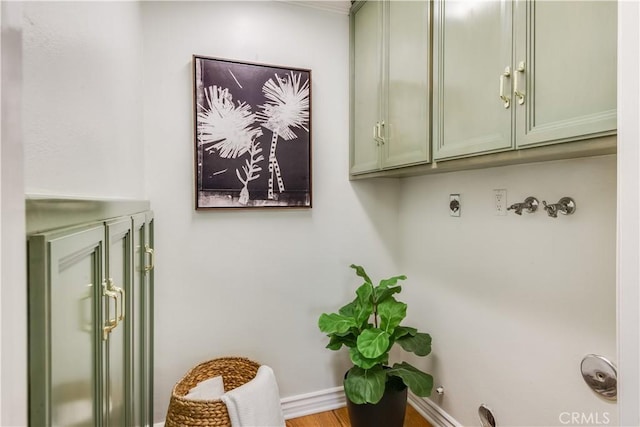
<point>340,418</point>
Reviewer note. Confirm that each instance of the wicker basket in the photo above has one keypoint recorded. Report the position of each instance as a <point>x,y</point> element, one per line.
<point>182,412</point>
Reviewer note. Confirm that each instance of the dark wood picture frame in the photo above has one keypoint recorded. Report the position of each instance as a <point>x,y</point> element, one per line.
<point>252,135</point>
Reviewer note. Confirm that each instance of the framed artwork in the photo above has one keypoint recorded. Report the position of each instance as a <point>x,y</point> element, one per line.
<point>252,135</point>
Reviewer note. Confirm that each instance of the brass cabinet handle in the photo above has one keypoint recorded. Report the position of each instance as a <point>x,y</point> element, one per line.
<point>516,91</point>
<point>108,291</point>
<point>506,74</point>
<point>148,250</point>
<point>122,303</point>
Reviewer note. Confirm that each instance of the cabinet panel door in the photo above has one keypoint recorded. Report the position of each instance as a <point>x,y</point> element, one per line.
<point>569,52</point>
<point>366,35</point>
<point>141,315</point>
<point>65,293</point>
<point>117,346</point>
<point>148,315</point>
<point>406,130</point>
<point>472,48</point>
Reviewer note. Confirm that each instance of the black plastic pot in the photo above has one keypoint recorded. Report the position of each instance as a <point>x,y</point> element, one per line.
<point>389,412</point>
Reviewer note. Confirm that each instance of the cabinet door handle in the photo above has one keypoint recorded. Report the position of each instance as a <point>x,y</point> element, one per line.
<point>148,250</point>
<point>122,303</point>
<point>380,130</point>
<point>109,292</point>
<point>506,74</point>
<point>516,91</point>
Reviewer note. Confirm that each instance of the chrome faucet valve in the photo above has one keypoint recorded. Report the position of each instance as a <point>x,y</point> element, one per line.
<point>530,205</point>
<point>566,206</point>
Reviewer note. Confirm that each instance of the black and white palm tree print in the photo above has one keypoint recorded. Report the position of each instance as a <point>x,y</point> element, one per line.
<point>287,107</point>
<point>240,108</point>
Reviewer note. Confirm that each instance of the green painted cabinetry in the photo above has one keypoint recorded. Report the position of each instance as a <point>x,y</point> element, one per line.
<point>519,74</point>
<point>90,322</point>
<point>390,65</point>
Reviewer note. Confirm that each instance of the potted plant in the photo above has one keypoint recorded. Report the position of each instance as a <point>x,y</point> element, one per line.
<point>370,326</point>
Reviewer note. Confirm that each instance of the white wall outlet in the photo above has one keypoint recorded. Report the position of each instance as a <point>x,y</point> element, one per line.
<point>454,204</point>
<point>500,201</point>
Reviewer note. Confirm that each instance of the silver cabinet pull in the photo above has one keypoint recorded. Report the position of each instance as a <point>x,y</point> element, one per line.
<point>516,89</point>
<point>506,74</point>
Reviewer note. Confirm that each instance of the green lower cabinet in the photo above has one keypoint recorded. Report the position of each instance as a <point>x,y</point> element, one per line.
<point>519,74</point>
<point>89,358</point>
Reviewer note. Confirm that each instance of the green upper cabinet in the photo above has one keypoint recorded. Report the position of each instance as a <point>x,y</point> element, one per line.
<point>566,51</point>
<point>389,84</point>
<point>472,66</point>
<point>524,73</point>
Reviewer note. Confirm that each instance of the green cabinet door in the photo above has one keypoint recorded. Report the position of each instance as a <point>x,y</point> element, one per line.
<point>65,327</point>
<point>141,301</point>
<point>118,342</point>
<point>90,317</point>
<point>366,86</point>
<point>472,70</point>
<point>566,54</point>
<point>405,132</point>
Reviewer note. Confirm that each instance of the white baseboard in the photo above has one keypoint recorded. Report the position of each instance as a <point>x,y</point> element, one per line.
<point>334,398</point>
<point>432,412</point>
<point>312,403</point>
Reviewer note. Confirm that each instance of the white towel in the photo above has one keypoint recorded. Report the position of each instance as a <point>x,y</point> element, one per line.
<point>256,403</point>
<point>210,389</point>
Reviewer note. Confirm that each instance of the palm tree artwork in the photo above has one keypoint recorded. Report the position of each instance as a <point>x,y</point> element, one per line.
<point>287,107</point>
<point>229,129</point>
<point>239,108</point>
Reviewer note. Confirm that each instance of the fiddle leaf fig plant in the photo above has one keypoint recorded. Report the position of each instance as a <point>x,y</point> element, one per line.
<point>369,326</point>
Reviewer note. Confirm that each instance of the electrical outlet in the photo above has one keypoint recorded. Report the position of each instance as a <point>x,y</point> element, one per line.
<point>454,204</point>
<point>500,201</point>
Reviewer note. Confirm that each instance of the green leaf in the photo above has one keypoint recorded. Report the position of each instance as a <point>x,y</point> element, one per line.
<point>420,343</point>
<point>360,272</point>
<point>336,341</point>
<point>419,382</point>
<point>335,323</point>
<point>401,331</point>
<point>364,305</point>
<point>373,342</point>
<point>359,360</point>
<point>365,386</point>
<point>391,314</point>
<point>349,310</point>
<point>381,294</point>
<point>391,281</point>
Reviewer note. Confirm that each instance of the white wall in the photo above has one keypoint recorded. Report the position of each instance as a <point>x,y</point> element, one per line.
<point>83,99</point>
<point>254,282</point>
<point>13,367</point>
<point>629,212</point>
<point>514,303</point>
